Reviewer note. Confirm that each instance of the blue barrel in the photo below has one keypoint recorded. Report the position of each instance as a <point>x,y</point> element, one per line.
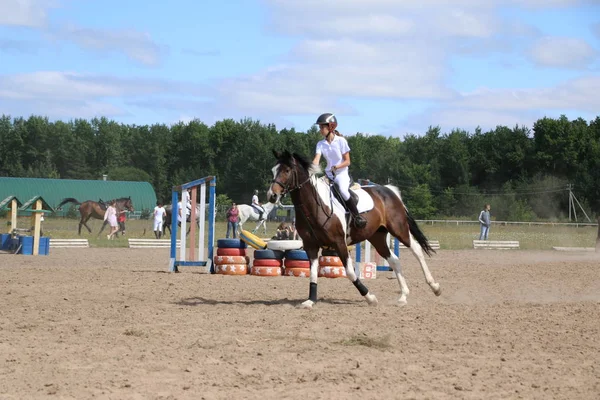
<point>4,241</point>
<point>26,243</point>
<point>44,246</point>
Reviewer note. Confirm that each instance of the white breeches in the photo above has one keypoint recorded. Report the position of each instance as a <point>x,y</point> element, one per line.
<point>342,179</point>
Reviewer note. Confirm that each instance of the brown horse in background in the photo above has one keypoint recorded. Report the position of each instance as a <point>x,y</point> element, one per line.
<point>322,222</point>
<point>93,209</point>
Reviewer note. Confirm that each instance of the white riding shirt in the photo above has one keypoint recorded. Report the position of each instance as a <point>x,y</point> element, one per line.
<point>333,153</point>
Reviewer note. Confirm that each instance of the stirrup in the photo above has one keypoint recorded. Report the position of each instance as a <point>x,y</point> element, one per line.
<point>359,222</point>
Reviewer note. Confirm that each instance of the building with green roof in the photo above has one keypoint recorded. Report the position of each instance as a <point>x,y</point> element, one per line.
<point>55,190</point>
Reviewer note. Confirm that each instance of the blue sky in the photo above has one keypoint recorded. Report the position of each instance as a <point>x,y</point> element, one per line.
<point>386,67</point>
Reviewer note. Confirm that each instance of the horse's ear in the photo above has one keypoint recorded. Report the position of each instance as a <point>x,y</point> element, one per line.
<point>277,154</point>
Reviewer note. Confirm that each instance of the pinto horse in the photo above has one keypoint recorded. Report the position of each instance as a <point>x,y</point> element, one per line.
<point>321,222</point>
<point>91,208</point>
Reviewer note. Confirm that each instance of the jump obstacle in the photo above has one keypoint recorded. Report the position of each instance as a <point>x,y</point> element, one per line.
<point>395,246</point>
<point>38,207</point>
<point>187,257</point>
<point>385,266</point>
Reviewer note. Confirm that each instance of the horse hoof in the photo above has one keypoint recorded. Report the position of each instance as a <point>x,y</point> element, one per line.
<point>371,299</point>
<point>307,305</point>
<point>402,302</point>
<point>437,290</point>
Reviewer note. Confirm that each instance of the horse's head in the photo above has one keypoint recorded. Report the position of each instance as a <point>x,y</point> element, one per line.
<point>126,203</point>
<point>290,173</point>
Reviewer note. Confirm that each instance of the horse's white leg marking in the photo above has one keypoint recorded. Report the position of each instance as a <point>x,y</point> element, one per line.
<point>257,226</point>
<point>394,262</point>
<point>418,252</point>
<point>314,274</point>
<point>370,297</point>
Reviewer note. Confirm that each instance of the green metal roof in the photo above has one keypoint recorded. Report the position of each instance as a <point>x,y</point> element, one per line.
<point>54,190</point>
<point>7,202</point>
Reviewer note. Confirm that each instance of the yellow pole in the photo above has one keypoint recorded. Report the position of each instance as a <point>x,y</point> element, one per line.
<point>37,227</point>
<point>13,212</point>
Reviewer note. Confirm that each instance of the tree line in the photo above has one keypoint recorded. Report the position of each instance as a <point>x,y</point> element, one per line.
<point>522,172</point>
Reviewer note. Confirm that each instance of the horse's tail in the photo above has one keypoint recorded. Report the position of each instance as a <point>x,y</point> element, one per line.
<point>413,227</point>
<point>68,200</point>
<point>418,234</point>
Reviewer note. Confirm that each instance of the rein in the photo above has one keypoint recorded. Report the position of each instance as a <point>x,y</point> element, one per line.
<point>296,186</point>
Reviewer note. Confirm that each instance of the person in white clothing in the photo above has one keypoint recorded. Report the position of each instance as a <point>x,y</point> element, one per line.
<point>187,209</point>
<point>110,215</point>
<point>334,147</point>
<point>159,215</point>
<point>257,206</point>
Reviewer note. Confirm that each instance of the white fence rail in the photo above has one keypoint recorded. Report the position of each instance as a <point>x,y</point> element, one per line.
<point>467,222</point>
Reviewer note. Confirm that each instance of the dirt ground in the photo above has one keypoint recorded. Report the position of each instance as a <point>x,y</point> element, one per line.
<point>114,324</point>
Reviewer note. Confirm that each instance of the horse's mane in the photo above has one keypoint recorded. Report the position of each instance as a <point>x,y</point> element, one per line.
<point>287,158</point>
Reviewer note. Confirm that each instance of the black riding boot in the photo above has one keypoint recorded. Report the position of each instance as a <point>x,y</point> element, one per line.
<point>359,221</point>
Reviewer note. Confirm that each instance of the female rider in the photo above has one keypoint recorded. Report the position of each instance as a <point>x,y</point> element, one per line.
<point>334,147</point>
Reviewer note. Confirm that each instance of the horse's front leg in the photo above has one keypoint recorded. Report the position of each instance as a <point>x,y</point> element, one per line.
<point>257,226</point>
<point>362,289</point>
<point>313,256</point>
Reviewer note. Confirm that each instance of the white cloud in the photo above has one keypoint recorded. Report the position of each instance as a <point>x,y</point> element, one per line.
<point>18,46</point>
<point>136,45</point>
<point>70,94</point>
<point>578,94</point>
<point>29,13</point>
<point>562,52</point>
<point>383,19</point>
<point>459,118</point>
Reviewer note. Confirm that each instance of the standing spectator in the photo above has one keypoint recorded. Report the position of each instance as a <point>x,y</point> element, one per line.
<point>111,216</point>
<point>159,215</point>
<point>232,220</point>
<point>121,220</point>
<point>484,220</point>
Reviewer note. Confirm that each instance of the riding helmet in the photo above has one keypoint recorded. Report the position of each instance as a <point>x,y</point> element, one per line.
<point>327,119</point>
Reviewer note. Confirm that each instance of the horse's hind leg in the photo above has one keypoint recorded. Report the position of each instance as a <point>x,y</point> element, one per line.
<point>416,249</point>
<point>379,241</point>
<point>401,231</point>
<point>362,289</point>
<point>84,222</point>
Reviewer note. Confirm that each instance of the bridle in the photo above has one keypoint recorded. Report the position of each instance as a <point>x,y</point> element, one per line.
<point>296,186</point>
<point>286,187</point>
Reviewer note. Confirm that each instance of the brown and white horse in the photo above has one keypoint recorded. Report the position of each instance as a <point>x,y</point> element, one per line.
<point>92,209</point>
<point>321,222</point>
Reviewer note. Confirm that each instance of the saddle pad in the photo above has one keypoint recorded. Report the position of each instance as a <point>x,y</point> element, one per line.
<point>365,201</point>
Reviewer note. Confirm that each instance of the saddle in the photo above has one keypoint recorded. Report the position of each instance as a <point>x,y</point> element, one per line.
<point>363,199</point>
<point>102,204</point>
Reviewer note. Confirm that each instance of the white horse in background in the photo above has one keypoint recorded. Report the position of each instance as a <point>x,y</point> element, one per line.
<point>247,212</point>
